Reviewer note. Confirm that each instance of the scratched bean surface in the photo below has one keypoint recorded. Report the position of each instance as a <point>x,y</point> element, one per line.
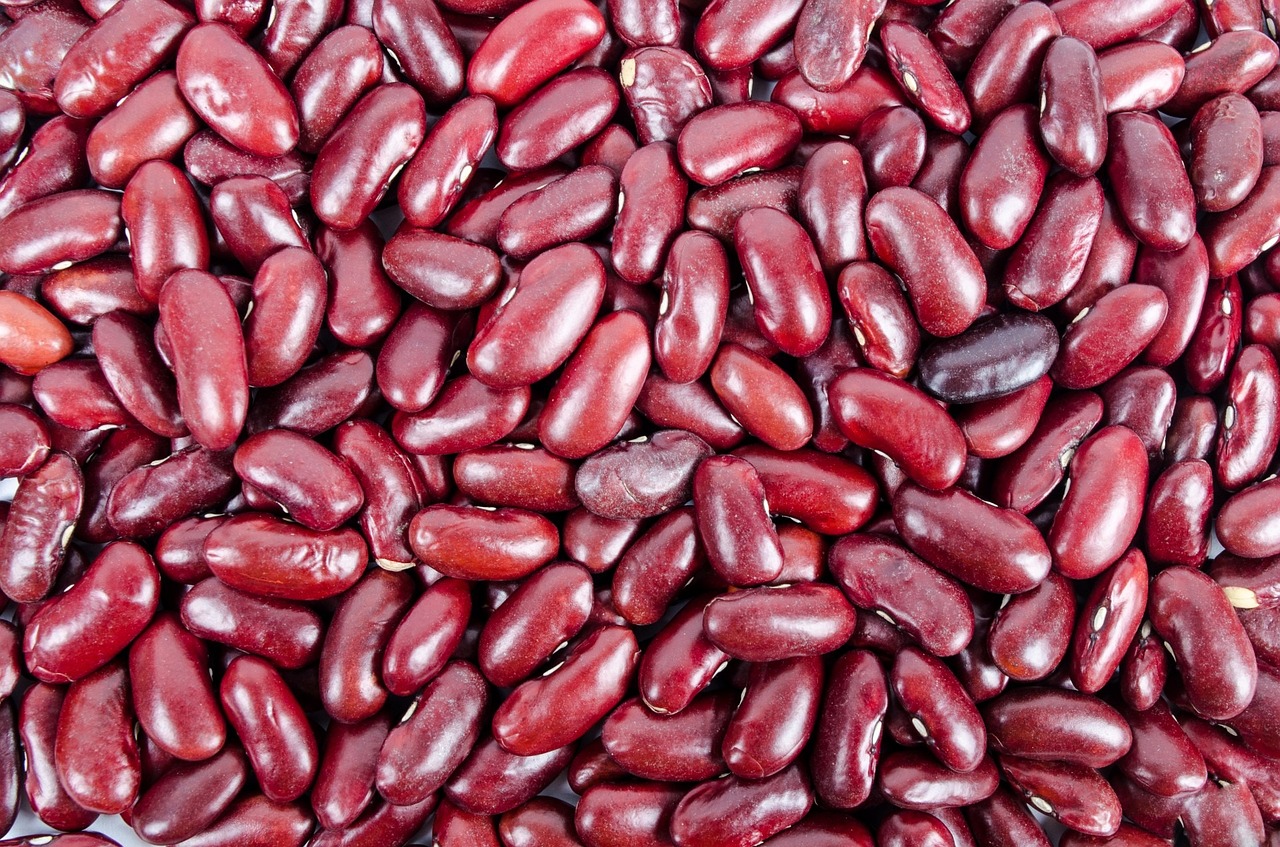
<point>639,423</point>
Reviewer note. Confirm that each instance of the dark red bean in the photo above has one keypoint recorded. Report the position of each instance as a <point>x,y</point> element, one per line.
<point>1163,760</point>
<point>915,780</point>
<point>188,798</point>
<point>38,529</point>
<point>547,610</point>
<point>95,752</point>
<point>452,827</point>
<point>211,160</point>
<point>255,821</point>
<point>467,542</point>
<point>1075,795</point>
<point>996,356</point>
<point>785,281</point>
<point>1005,69</point>
<point>892,143</point>
<point>421,46</point>
<point>664,87</point>
<point>784,622</point>
<point>277,738</point>
<point>1250,429</point>
<point>266,556</point>
<point>1154,195</point>
<point>531,46</point>
<point>38,724</point>
<point>1082,19</point>
<point>775,718</point>
<point>620,815</point>
<point>493,781</point>
<point>1031,633</point>
<point>286,633</point>
<point>724,141</point>
<point>357,636</point>
<point>1108,621</point>
<point>683,747</point>
<point>1047,724</point>
<point>1070,217</point>
<point>558,117</point>
<point>734,812</point>
<point>732,33</point>
<point>939,709</point>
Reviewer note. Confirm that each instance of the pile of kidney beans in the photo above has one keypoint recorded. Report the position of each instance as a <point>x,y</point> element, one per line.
<point>836,468</point>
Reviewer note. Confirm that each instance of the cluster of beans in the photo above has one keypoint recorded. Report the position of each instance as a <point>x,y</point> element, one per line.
<point>832,469</point>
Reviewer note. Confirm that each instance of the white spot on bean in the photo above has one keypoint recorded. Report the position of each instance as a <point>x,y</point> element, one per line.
<point>1228,417</point>
<point>664,303</point>
<point>627,73</point>
<point>919,727</point>
<point>413,707</point>
<point>62,266</point>
<point>1099,618</point>
<point>1041,804</point>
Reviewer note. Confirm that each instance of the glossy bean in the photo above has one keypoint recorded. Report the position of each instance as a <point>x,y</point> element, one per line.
<point>95,753</point>
<point>286,633</point>
<point>277,738</point>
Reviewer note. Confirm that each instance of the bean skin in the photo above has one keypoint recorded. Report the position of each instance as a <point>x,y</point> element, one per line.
<point>1054,725</point>
<point>1155,197</point>
<point>1108,622</point>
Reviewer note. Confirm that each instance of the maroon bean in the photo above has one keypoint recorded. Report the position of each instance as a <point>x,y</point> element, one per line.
<point>493,781</point>
<point>881,576</point>
<point>1223,813</point>
<point>1073,118</point>
<point>362,303</point>
<point>1002,183</point>
<point>1230,760</point>
<point>277,738</point>
<point>939,709</point>
<point>83,293</point>
<point>188,798</point>
<point>1140,76</point>
<point>792,307</point>
<point>724,141</point>
<point>289,293</point>
<point>532,45</point>
<point>95,751</point>
<point>357,636</point>
<point>37,723</point>
<point>882,323</point>
<point>467,414</point>
<point>1031,633</point>
<point>732,34</point>
<point>329,81</point>
<point>1163,760</point>
<point>1075,795</point>
<point>172,693</point>
<point>1048,724</point>
<point>1226,152</point>
<point>996,428</point>
<point>695,290</point>
<point>919,68</point>
<point>831,40</point>
<point>1108,622</point>
<point>532,720</point>
<point>641,479</point>
<point>524,632</point>
<point>942,275</point>
<point>626,815</point>
<point>683,747</point>
<point>236,92</point>
<point>785,622</point>
<point>679,662</point>
<point>1084,20</point>
<point>1109,335</point>
<point>317,398</point>
<point>540,821</point>
<point>717,209</point>
<point>38,528</point>
<point>147,499</point>
<point>165,226</point>
<point>271,558</point>
<point>54,162</point>
<point>314,486</point>
<point>1182,272</point>
<point>1214,341</point>
<point>1220,675</point>
<point>1154,196</point>
<point>255,821</point>
<point>832,195</point>
<point>847,747</point>
<point>133,369</point>
<point>866,402</point>
<point>572,208</point>
<point>426,637</point>
<point>85,628</point>
<point>286,633</point>
<point>775,718</point>
<point>892,144</point>
<point>34,48</point>
<point>432,740</point>
<point>994,357</point>
<point>467,542</point>
<point>733,521</point>
<point>558,117</point>
<point>1110,262</point>
<point>453,827</point>
<point>664,87</point>
<point>568,280</point>
<point>1006,68</point>
<point>1250,430</point>
<point>906,828</point>
<point>211,160</point>
<point>742,379</point>
<point>734,812</point>
<point>915,780</point>
<point>421,46</point>
<point>1231,63</point>
<point>153,122</point>
<point>92,226</point>
<point>1244,524</point>
<point>1069,217</point>
<point>24,440</point>
<point>605,375</point>
<point>355,166</point>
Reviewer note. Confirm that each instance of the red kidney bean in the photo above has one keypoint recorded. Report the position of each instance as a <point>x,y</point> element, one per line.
<point>92,225</point>
<point>517,347</point>
<point>734,812</point>
<point>960,29</point>
<point>906,828</point>
<point>683,747</point>
<point>188,798</point>
<point>832,195</point>
<point>865,404</point>
<point>731,33</point>
<point>362,303</point>
<point>996,428</point>
<point>641,479</point>
<point>991,548</point>
<point>532,45</point>
<point>521,476</point>
<point>915,780</point>
<point>84,293</point>
<point>286,633</point>
<point>892,143</point>
<point>1143,670</point>
<point>1214,341</point>
<point>1032,632</point>
<point>656,567</point>
<point>253,216</point>
<point>117,52</point>
<point>476,219</point>
<point>1250,431</point>
<point>555,119</point>
<point>1193,429</point>
<point>277,738</point>
<point>1048,724</point>
<point>1221,675</point>
<point>446,161</point>
<point>831,40</point>
<point>314,486</point>
<point>523,632</point>
<point>1157,202</point>
<point>740,376</point>
<point>572,208</point>
<point>1230,760</point>
<point>289,293</point>
<point>1084,19</point>
<point>38,529</point>
<point>255,821</point>
<point>153,122</point>
<point>271,558</point>
<point>717,209</point>
<point>1163,760</point>
<point>679,662</point>
<point>618,815</point>
<point>1223,813</point>
<point>421,46</point>
<point>468,542</point>
<point>939,709</point>
<point>208,356</point>
<point>695,291</point>
<point>355,166</point>
<point>664,87</point>
<point>73,393</point>
<point>882,323</point>
<point>733,521</point>
<point>357,636</point>
<point>382,824</point>
<point>775,718</point>
<point>1256,724</point>
<point>1037,277</point>
<point>847,745</point>
<point>1001,184</point>
<point>1177,519</point>
<point>1140,76</point>
<point>172,694</point>
<point>426,637</point>
<point>650,209</point>
<point>532,721</point>
<point>942,276</point>
<point>37,723</point>
<point>95,751</point>
<point>133,369</point>
<point>85,628</point>
<point>1004,71</point>
<point>453,827</point>
<point>1244,524</point>
<point>147,499</point>
<point>24,440</point>
<point>211,160</point>
<point>919,68</point>
<point>826,493</point>
<point>540,821</point>
<point>54,162</point>
<point>1182,272</point>
<point>317,398</point>
<point>689,406</point>
<point>439,731</point>
<point>1073,122</point>
<point>1247,583</point>
<point>1142,399</point>
<point>724,141</point>
<point>343,65</point>
<point>34,47</point>
<point>1109,335</point>
<point>1108,622</point>
<point>441,271</point>
<point>786,622</point>
<point>1226,152</point>
<point>784,279</point>
<point>598,543</point>
<point>1260,321</point>
<point>1110,262</point>
<point>179,551</point>
<point>881,576</point>
<point>492,781</point>
<point>236,92</point>
<point>1075,795</point>
<point>467,414</point>
<point>1231,62</point>
<point>604,375</point>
